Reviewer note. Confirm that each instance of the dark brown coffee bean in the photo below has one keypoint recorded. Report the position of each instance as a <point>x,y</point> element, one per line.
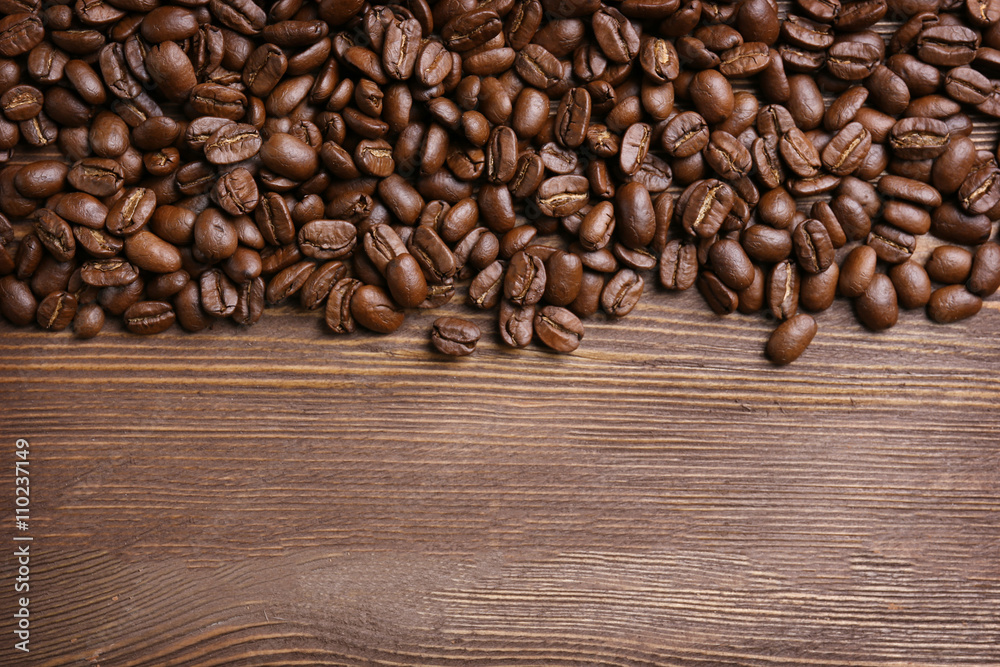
<point>818,290</point>
<point>952,303</point>
<point>454,336</point>
<point>486,288</point>
<point>766,244</point>
<point>852,217</point>
<point>149,317</point>
<point>615,35</point>
<point>338,306</point>
<point>372,308</point>
<point>954,165</point>
<point>402,44</point>
<point>783,290</point>
<point>719,297</point>
<point>564,276</point>
<point>950,223</point>
<point>813,247</point>
<point>166,285</point>
<point>516,323</point>
<point>799,153</point>
<point>790,339</point>
<point>621,293</point>
<point>731,264</point>
<point>984,279</point>
<point>327,239</point>
<point>919,138</point>
<point>558,328</point>
<point>848,148</point>
<point>55,234</point>
<point>56,311</point>
<point>890,244</point>
<point>99,177</point>
<point>289,281</point>
<point>149,252</point>
<point>949,264</point>
<point>562,195</point>
<point>685,134</point>
<point>913,286</point>
<point>114,272</point>
<point>17,303</point>
<point>525,279</point>
<point>877,307</point>
<point>678,265</point>
<point>89,321</point>
<point>406,282</point>
<point>708,202</point>
<point>635,146</point>
<point>712,96</point>
<point>320,282</point>
<point>727,156</point>
<point>218,294</point>
<point>947,45</point>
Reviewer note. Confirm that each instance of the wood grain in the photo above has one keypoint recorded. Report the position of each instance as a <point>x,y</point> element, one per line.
<point>282,496</point>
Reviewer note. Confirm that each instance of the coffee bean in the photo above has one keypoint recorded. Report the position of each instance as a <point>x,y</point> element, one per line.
<point>454,336</point>
<point>621,293</point>
<point>558,328</point>
<point>88,321</point>
<point>783,289</point>
<point>372,308</point>
<point>790,339</point>
<point>149,317</point>
<point>952,303</point>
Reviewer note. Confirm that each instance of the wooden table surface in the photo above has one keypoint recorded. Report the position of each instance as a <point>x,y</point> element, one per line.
<point>663,496</point>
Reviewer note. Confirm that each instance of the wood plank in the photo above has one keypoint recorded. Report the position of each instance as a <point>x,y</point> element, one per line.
<point>664,496</point>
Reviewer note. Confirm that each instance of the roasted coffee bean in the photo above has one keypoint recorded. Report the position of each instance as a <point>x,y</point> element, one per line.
<point>149,317</point>
<point>372,308</point>
<point>327,239</point>
<point>406,281</point>
<point>678,265</point>
<point>708,202</point>
<point>890,244</point>
<point>949,264</point>
<point>525,280</point>
<point>712,96</point>
<point>685,134</point>
<point>55,234</point>
<point>766,244</point>
<point>913,286</point>
<point>562,195</point>
<point>952,303</point>
<point>56,311</point>
<point>783,289</point>
<point>289,281</point>
<point>558,328</point>
<point>17,303</point>
<point>573,118</point>
<point>218,294</point>
<point>790,339</point>
<point>621,293</point>
<point>984,278</point>
<point>516,323</point>
<point>454,336</point>
<point>719,297</point>
<point>727,156</point>
<point>857,271</point>
<point>818,290</point>
<point>564,276</point>
<point>114,272</point>
<point>89,320</point>
<point>877,307</point>
<point>731,264</point>
<point>813,246</point>
<point>486,288</point>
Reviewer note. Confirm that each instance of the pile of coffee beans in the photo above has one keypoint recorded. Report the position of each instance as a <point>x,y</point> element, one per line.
<point>544,158</point>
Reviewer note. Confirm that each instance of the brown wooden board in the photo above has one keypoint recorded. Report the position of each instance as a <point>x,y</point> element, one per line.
<point>663,496</point>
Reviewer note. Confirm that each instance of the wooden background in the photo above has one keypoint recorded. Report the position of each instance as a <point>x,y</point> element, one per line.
<point>663,496</point>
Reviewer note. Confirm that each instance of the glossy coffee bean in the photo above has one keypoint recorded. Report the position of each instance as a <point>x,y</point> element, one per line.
<point>790,339</point>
